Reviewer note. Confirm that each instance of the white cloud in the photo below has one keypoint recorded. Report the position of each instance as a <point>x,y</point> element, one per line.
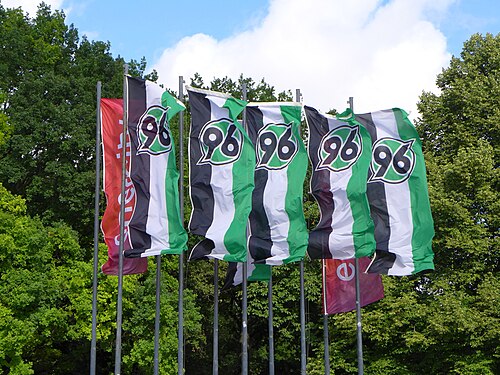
<point>31,6</point>
<point>383,53</point>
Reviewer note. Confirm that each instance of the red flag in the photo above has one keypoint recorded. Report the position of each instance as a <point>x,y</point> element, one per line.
<point>339,285</point>
<point>111,129</point>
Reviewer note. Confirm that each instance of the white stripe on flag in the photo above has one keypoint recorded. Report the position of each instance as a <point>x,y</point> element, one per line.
<point>398,204</point>
<point>340,241</point>
<point>222,188</point>
<point>274,201</point>
<point>157,222</point>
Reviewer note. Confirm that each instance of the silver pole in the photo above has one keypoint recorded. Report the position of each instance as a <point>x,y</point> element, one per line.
<point>180,328</point>
<point>358,296</point>
<point>96,229</point>
<point>270,323</point>
<point>244,332</point>
<point>215,355</point>
<point>326,342</point>
<point>303,358</point>
<point>302,322</point>
<point>157,316</point>
<point>244,356</point>
<point>118,352</point>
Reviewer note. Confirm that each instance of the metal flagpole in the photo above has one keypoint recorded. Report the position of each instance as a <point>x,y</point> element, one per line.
<point>244,332</point>
<point>96,229</point>
<point>302,322</point>
<point>180,328</point>
<point>157,316</point>
<point>270,323</point>
<point>244,355</point>
<point>358,296</point>
<point>118,351</point>
<point>325,322</point>
<point>215,355</point>
<point>303,358</point>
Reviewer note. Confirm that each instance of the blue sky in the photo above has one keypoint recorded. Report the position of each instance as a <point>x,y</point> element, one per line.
<point>384,53</point>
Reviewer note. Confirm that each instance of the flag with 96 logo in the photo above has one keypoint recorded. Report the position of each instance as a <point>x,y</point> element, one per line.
<point>221,164</point>
<point>340,152</point>
<point>398,196</point>
<point>278,232</point>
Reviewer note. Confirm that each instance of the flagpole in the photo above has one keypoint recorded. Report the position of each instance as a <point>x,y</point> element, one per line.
<point>118,351</point>
<point>358,295</point>
<point>96,229</point>
<point>244,356</point>
<point>180,320</point>
<point>303,358</point>
<point>244,333</point>
<point>302,322</point>
<point>270,322</point>
<point>157,316</point>
<point>325,322</point>
<point>215,355</point>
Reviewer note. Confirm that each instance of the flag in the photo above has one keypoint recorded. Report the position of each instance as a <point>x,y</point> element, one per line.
<point>398,196</point>
<point>340,153</point>
<point>278,232</point>
<point>255,272</point>
<point>221,163</point>
<point>339,285</point>
<point>155,226</point>
<point>112,145</point>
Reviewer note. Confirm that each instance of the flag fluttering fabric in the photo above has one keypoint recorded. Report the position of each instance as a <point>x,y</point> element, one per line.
<point>398,196</point>
<point>340,153</point>
<point>255,272</point>
<point>112,144</point>
<point>155,227</point>
<point>339,285</point>
<point>221,181</point>
<point>278,232</point>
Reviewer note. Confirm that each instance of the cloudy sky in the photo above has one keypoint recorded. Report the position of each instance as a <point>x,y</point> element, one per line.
<point>382,53</point>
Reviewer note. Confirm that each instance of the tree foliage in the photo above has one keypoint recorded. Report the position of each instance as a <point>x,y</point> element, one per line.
<point>48,86</point>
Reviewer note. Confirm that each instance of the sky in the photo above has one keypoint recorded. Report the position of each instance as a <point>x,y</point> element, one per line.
<point>383,53</point>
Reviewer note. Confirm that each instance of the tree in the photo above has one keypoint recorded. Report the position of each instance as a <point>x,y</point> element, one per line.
<point>460,129</point>
<point>48,85</point>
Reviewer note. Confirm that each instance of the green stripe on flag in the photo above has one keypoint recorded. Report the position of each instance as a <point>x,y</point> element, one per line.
<point>243,184</point>
<point>296,173</point>
<point>176,106</point>
<point>362,228</point>
<point>235,107</point>
<point>261,272</point>
<point>423,225</point>
<point>176,233</point>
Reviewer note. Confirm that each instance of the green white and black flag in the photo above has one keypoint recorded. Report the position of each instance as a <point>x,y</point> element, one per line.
<point>255,272</point>
<point>221,164</point>
<point>398,196</point>
<point>278,232</point>
<point>155,226</point>
<point>340,153</point>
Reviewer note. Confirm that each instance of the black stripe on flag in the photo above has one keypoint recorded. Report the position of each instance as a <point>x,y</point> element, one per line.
<point>232,268</point>
<point>320,188</point>
<point>375,192</point>
<point>202,249</point>
<point>139,169</point>
<point>259,243</point>
<point>202,196</point>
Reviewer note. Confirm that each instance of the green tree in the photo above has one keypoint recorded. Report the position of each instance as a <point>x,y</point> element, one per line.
<point>48,80</point>
<point>460,129</point>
